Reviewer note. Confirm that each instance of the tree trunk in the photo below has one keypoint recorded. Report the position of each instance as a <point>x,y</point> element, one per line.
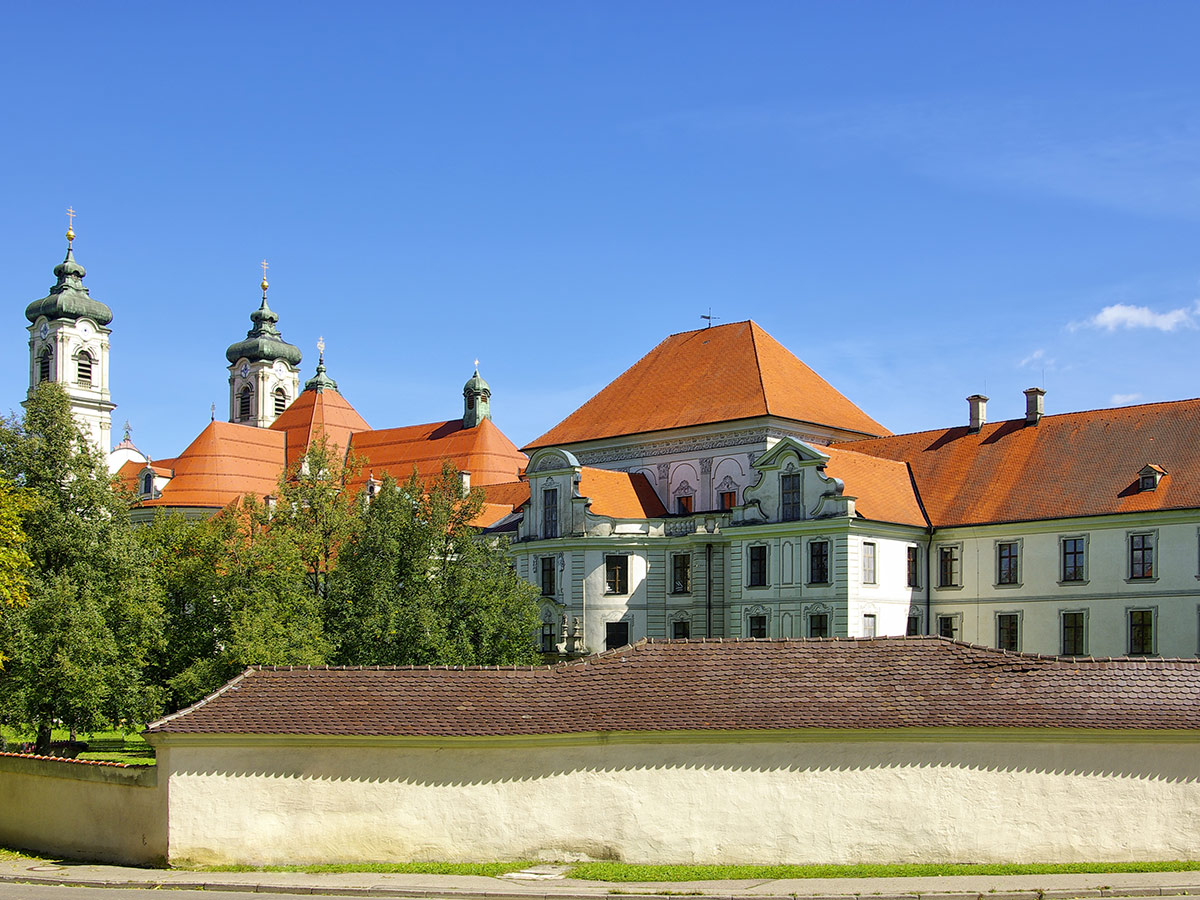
<point>42,745</point>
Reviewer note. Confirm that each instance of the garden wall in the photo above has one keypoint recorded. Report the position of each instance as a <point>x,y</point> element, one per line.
<point>82,810</point>
<point>678,800</point>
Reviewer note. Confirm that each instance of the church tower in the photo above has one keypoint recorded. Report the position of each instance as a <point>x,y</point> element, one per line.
<point>264,369</point>
<point>477,400</point>
<point>68,343</point>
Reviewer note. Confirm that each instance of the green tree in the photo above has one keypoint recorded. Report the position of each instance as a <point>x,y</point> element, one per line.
<point>14,546</point>
<point>80,647</point>
<point>417,585</point>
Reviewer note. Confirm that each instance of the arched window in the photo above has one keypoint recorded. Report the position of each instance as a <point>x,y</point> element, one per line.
<point>147,484</point>
<point>280,401</point>
<point>244,403</point>
<point>44,365</point>
<point>83,368</point>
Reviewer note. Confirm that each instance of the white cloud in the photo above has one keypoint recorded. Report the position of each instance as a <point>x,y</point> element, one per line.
<point>1125,315</point>
<point>1124,399</point>
<point>1036,359</point>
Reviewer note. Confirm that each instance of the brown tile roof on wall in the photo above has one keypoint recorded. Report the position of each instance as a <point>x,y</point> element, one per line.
<point>720,374</point>
<point>883,487</point>
<point>317,412</point>
<point>621,495</point>
<point>484,451</point>
<point>705,685</point>
<point>224,462</point>
<point>1076,464</point>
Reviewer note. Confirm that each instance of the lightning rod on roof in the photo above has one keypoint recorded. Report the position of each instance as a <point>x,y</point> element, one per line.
<point>710,318</point>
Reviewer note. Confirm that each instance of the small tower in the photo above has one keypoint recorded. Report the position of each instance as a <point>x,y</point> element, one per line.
<point>68,343</point>
<point>477,400</point>
<point>264,369</point>
<point>320,382</point>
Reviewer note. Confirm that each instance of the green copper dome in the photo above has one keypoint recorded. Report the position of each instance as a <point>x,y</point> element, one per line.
<point>320,382</point>
<point>69,299</point>
<point>476,385</point>
<point>263,342</point>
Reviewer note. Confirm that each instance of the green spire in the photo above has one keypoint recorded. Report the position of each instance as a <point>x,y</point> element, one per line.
<point>320,382</point>
<point>263,342</point>
<point>477,400</point>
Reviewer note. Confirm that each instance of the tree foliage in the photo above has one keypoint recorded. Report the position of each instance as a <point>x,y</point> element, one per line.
<point>415,585</point>
<point>15,563</point>
<point>79,649</point>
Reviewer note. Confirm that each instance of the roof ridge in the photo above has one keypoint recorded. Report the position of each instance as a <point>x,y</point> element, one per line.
<point>758,368</point>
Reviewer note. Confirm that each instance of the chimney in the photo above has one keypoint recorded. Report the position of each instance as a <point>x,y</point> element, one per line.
<point>1034,405</point>
<point>465,479</point>
<point>978,412</point>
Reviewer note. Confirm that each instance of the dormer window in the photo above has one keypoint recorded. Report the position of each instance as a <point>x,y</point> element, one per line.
<point>44,366</point>
<point>1149,477</point>
<point>83,369</point>
<point>148,484</point>
<point>245,399</point>
<point>281,401</point>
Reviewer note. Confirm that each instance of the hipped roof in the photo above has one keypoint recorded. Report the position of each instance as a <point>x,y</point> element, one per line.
<point>712,685</point>
<point>720,374</point>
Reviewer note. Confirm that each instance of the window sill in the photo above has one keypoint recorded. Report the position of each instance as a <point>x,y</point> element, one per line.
<point>757,587</point>
<point>1007,586</point>
<point>830,583</point>
<point>616,593</point>
<point>1073,583</point>
<point>681,593</point>
<point>949,587</point>
<point>1150,580</point>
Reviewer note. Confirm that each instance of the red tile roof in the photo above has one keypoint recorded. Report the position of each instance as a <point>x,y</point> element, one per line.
<point>883,488</point>
<point>621,495</point>
<point>707,685</point>
<point>1075,464</point>
<point>483,451</point>
<point>720,374</point>
<point>317,412</point>
<point>224,462</point>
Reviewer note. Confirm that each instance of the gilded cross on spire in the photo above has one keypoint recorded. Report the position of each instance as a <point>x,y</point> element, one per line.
<point>477,365</point>
<point>264,281</point>
<point>321,348</point>
<point>70,224</point>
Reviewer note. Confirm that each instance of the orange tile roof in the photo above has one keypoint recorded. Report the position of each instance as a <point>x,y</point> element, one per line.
<point>720,374</point>
<point>223,463</point>
<point>883,487</point>
<point>314,412</point>
<point>1075,464</point>
<point>621,495</point>
<point>484,451</point>
<point>499,500</point>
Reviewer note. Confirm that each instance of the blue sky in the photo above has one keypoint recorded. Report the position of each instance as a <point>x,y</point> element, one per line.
<point>921,200</point>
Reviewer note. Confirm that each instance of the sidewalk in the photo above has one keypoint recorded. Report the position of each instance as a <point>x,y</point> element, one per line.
<point>545,883</point>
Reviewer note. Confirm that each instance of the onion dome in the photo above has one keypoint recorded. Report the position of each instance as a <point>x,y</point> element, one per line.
<point>263,342</point>
<point>476,385</point>
<point>69,299</point>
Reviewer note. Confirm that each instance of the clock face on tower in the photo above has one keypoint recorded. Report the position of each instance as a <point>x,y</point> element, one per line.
<point>45,330</point>
<point>85,329</point>
<point>244,371</point>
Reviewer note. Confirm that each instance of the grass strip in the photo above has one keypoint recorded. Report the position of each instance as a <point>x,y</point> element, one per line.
<point>623,872</point>
<point>412,868</point>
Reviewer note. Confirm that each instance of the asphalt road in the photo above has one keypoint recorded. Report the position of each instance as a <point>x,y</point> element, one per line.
<point>57,892</point>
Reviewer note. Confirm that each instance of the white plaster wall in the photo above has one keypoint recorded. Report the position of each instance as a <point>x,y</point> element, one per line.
<point>82,812</point>
<point>836,802</point>
<point>889,597</point>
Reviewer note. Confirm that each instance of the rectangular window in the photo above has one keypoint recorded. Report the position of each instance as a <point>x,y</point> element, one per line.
<point>818,562</point>
<point>869,626</point>
<point>758,566</point>
<point>683,505</point>
<point>1141,632</point>
<point>1141,556</point>
<point>818,625</point>
<point>550,513</point>
<point>1073,559</point>
<point>948,569</point>
<point>728,499</point>
<point>616,574</point>
<point>868,563</point>
<point>1008,631</point>
<point>947,626</point>
<point>616,634</point>
<point>914,624</point>
<point>681,573</point>
<point>1072,634</point>
<point>793,500</point>
<point>548,638</point>
<point>914,567</point>
<point>758,626</point>
<point>1006,563</point>
<point>548,576</point>
<point>681,629</point>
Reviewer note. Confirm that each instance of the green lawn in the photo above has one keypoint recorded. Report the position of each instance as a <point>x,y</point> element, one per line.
<point>621,872</point>
<point>104,746</point>
<point>494,868</point>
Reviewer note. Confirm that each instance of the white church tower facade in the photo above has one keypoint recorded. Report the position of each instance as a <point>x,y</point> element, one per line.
<point>264,370</point>
<point>68,344</point>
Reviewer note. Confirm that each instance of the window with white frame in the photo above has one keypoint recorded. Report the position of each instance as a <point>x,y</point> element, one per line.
<point>793,498</point>
<point>913,560</point>
<point>550,513</point>
<point>1008,631</point>
<point>1073,632</point>
<point>868,563</point>
<point>549,639</point>
<point>616,574</point>
<point>869,625</point>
